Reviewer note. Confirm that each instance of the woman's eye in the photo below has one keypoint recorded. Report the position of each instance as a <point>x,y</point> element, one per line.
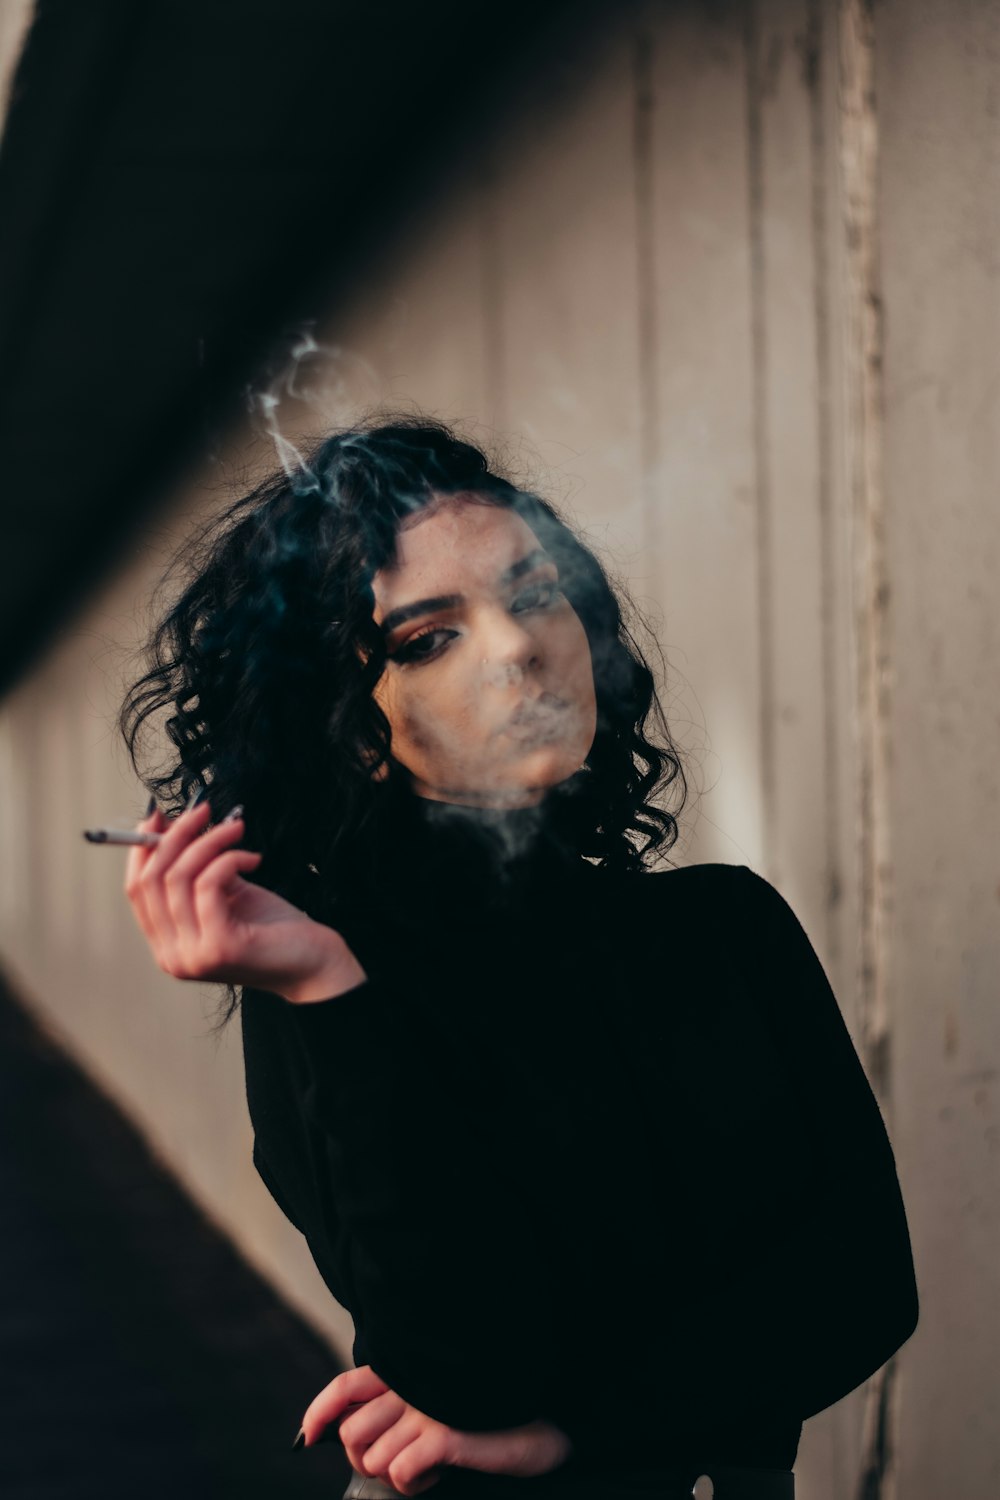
<point>421,647</point>
<point>540,594</point>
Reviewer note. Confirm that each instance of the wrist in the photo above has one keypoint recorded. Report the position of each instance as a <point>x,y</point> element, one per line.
<point>337,971</point>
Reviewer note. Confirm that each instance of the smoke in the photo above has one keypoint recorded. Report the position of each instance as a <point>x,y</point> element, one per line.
<point>506,835</point>
<point>326,384</point>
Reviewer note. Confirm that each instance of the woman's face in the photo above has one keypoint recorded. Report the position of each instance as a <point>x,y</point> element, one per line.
<point>489,688</point>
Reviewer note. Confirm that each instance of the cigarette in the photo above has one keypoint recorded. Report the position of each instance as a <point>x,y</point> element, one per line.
<point>118,836</point>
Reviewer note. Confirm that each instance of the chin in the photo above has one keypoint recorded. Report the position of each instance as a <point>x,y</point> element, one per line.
<point>523,780</point>
<point>545,767</point>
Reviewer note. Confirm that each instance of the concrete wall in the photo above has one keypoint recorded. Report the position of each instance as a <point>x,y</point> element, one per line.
<point>15,18</point>
<point>726,281</point>
<point>939,114</point>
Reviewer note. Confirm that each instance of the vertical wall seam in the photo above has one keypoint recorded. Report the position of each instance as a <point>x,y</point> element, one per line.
<point>762,476</point>
<point>859,142</point>
<point>491,289</point>
<point>864,418</point>
<point>815,43</point>
<point>643,151</point>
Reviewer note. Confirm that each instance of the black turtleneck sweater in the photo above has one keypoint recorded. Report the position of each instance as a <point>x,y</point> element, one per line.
<point>590,1147</point>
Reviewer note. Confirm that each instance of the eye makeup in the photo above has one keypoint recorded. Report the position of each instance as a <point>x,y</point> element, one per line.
<point>396,617</point>
<point>543,594</point>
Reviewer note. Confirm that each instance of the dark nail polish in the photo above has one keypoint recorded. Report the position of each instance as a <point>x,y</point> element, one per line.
<point>150,807</point>
<point>300,1438</point>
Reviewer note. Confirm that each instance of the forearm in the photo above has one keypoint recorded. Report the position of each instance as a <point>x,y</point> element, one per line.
<point>848,1311</point>
<point>336,974</point>
<point>449,1299</point>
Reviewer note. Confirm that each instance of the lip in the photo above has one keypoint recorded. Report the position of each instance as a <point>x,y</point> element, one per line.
<point>540,718</point>
<point>537,709</point>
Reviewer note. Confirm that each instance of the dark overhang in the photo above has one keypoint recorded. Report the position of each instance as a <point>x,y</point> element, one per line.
<point>178,181</point>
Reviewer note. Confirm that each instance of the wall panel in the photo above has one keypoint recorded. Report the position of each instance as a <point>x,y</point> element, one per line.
<point>938,88</point>
<point>564,218</point>
<point>704,526</point>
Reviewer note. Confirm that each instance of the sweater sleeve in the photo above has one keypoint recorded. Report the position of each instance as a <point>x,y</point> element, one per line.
<point>449,1308</point>
<point>852,1292</point>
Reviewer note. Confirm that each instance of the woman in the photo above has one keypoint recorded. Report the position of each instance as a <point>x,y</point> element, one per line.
<point>585,1148</point>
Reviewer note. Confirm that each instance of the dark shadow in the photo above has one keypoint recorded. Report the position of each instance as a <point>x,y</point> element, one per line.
<point>180,181</point>
<point>141,1354</point>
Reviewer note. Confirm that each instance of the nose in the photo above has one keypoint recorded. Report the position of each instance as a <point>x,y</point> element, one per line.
<point>512,651</point>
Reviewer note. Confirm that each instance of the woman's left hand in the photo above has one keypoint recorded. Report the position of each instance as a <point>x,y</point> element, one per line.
<point>387,1437</point>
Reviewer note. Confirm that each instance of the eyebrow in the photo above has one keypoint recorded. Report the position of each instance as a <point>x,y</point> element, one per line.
<point>405,612</point>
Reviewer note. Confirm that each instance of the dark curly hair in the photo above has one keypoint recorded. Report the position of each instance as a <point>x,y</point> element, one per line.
<point>269,656</point>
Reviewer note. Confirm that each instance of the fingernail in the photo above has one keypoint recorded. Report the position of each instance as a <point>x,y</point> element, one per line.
<point>234,813</point>
<point>150,807</point>
<point>195,798</point>
<point>300,1438</point>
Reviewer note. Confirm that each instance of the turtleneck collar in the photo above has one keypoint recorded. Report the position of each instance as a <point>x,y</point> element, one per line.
<point>502,848</point>
<point>455,878</point>
<point>451,872</point>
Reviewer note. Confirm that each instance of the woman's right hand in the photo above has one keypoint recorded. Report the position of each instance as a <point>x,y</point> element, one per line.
<point>204,922</point>
<point>384,1435</point>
